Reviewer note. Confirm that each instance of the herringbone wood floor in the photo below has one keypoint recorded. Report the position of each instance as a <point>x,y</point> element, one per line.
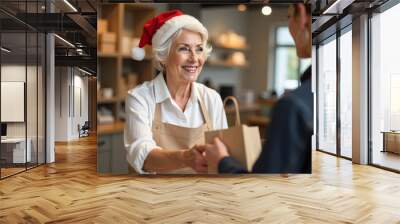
<point>70,191</point>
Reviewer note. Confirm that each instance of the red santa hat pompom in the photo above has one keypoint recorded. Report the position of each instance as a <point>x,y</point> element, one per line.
<point>160,28</point>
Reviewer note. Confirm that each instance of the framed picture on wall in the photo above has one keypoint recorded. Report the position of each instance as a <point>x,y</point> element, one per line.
<point>12,101</point>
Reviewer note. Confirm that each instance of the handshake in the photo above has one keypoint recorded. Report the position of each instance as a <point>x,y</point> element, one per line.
<point>203,157</point>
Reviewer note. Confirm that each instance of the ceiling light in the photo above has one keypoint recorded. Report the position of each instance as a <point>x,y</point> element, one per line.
<point>65,41</point>
<point>5,49</point>
<point>70,5</point>
<point>242,7</point>
<point>337,7</point>
<point>266,10</point>
<point>84,71</point>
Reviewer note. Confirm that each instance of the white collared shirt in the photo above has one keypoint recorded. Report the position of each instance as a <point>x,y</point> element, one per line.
<point>140,107</point>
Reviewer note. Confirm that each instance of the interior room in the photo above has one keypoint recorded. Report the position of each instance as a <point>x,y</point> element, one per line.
<point>40,77</point>
<point>67,66</point>
<point>22,96</point>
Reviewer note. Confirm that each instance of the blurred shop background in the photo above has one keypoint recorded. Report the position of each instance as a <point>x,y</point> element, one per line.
<point>253,58</point>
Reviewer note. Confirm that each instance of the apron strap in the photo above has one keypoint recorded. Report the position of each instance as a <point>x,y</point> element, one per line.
<point>205,112</point>
<point>157,113</point>
<point>156,120</point>
<point>157,123</point>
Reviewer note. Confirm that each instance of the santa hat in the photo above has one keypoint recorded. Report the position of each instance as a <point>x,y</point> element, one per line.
<point>159,29</point>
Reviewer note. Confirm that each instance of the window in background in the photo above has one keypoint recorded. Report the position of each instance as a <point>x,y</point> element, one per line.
<point>385,89</point>
<point>346,94</point>
<point>327,96</point>
<point>288,67</point>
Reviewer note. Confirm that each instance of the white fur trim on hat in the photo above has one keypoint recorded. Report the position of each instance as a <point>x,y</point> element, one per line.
<point>173,25</point>
<point>138,53</point>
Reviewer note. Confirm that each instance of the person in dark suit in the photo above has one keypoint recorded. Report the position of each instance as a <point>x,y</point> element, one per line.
<point>288,139</point>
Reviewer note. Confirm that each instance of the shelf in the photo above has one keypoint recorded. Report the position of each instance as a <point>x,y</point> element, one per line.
<point>107,55</point>
<point>116,127</point>
<point>139,7</point>
<point>125,20</point>
<point>226,65</point>
<point>117,54</point>
<point>110,100</point>
<point>253,107</point>
<point>218,46</point>
<point>146,58</point>
<point>258,120</point>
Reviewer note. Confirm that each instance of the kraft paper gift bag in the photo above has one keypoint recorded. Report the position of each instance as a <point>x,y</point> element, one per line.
<point>243,142</point>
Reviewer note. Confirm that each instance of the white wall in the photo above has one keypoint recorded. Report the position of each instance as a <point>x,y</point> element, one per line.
<point>79,117</point>
<point>12,73</point>
<point>259,32</point>
<point>33,127</point>
<point>61,103</point>
<point>261,38</point>
<point>360,90</point>
<point>69,85</point>
<point>218,20</point>
<point>222,19</point>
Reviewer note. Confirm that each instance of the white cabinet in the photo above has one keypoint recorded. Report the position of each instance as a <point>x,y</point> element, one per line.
<point>16,148</point>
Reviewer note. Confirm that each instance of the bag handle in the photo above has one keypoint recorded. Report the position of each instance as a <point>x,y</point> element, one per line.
<point>236,104</point>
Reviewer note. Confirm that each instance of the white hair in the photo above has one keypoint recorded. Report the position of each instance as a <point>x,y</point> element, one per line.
<point>161,52</point>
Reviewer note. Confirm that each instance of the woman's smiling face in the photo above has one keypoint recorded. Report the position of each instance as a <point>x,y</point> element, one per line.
<point>186,57</point>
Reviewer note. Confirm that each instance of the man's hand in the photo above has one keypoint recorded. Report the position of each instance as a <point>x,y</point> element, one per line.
<point>194,158</point>
<point>214,153</point>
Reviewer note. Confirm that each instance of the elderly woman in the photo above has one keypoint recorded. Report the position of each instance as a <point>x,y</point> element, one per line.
<point>167,117</point>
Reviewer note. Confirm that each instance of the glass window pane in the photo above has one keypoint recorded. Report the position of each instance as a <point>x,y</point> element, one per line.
<point>286,73</point>
<point>327,97</point>
<point>23,83</point>
<point>346,94</point>
<point>14,153</point>
<point>304,64</point>
<point>283,36</point>
<point>385,88</point>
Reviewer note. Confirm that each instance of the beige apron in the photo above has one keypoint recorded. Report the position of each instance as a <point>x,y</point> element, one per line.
<point>169,136</point>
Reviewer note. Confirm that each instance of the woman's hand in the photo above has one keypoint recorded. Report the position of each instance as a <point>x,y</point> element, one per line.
<point>194,158</point>
<point>214,153</point>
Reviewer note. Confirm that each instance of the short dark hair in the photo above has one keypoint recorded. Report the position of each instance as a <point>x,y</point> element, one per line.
<point>296,9</point>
